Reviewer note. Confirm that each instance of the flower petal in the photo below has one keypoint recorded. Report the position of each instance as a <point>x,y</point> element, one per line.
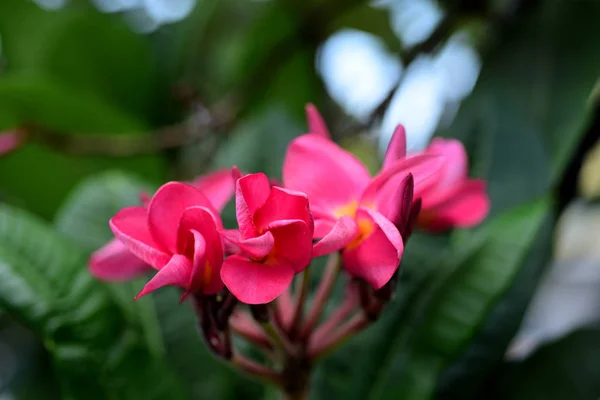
<point>397,207</point>
<point>283,204</point>
<point>130,226</point>
<point>206,268</point>
<point>467,206</point>
<point>293,243</point>
<point>424,169</point>
<point>409,226</point>
<point>340,235</point>
<point>316,124</point>
<point>329,175</point>
<point>217,186</point>
<point>10,140</point>
<point>323,227</point>
<point>251,193</point>
<point>456,168</point>
<point>257,247</point>
<point>115,263</point>
<point>176,272</point>
<point>377,256</point>
<point>167,207</point>
<point>396,149</point>
<point>255,283</point>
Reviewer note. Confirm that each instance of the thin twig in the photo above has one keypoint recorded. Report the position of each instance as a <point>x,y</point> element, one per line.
<point>339,315</point>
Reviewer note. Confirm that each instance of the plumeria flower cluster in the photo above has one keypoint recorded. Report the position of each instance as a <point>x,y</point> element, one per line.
<point>327,205</point>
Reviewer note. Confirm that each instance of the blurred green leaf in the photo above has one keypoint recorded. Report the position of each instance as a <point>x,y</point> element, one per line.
<point>90,50</point>
<point>42,100</point>
<point>566,369</point>
<point>97,351</point>
<point>435,315</point>
<point>532,103</point>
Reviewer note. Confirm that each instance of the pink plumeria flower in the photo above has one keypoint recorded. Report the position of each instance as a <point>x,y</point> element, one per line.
<point>274,239</point>
<point>177,234</point>
<point>352,210</point>
<point>115,263</point>
<point>454,200</point>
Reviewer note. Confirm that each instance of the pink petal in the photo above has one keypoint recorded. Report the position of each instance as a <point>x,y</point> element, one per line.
<point>316,124</point>
<point>329,175</point>
<point>252,192</point>
<point>293,243</point>
<point>396,149</point>
<point>409,226</point>
<point>397,207</point>
<point>377,256</point>
<point>257,247</point>
<point>114,262</point>
<point>467,206</point>
<point>255,283</point>
<point>176,272</point>
<point>130,226</point>
<point>10,140</point>
<point>456,167</point>
<point>167,207</point>
<point>206,269</point>
<point>323,227</point>
<point>283,204</point>
<point>424,169</point>
<point>342,233</point>
<point>217,186</point>
<point>199,240</point>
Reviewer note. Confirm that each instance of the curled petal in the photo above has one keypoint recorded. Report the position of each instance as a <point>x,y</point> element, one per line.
<point>257,247</point>
<point>467,206</point>
<point>339,236</point>
<point>167,207</point>
<point>409,226</point>
<point>217,186</point>
<point>252,191</point>
<point>316,124</point>
<point>175,273</point>
<point>424,169</point>
<point>456,169</point>
<point>206,268</point>
<point>375,256</point>
<point>396,150</point>
<point>329,175</point>
<point>255,283</point>
<point>293,243</point>
<point>283,204</point>
<point>114,263</point>
<point>130,226</point>
<point>397,207</point>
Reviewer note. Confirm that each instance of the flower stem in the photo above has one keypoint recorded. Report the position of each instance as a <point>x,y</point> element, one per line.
<point>278,339</point>
<point>355,325</point>
<point>243,325</point>
<point>255,369</point>
<point>336,318</point>
<point>302,294</point>
<point>332,270</point>
<point>284,308</point>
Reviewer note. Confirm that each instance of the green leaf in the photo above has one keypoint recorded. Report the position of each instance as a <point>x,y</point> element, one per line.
<point>88,49</point>
<point>459,298</point>
<point>564,369</point>
<point>443,300</point>
<point>97,351</point>
<point>532,101</point>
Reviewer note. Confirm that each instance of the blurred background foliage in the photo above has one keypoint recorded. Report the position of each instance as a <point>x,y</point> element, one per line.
<point>117,96</point>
